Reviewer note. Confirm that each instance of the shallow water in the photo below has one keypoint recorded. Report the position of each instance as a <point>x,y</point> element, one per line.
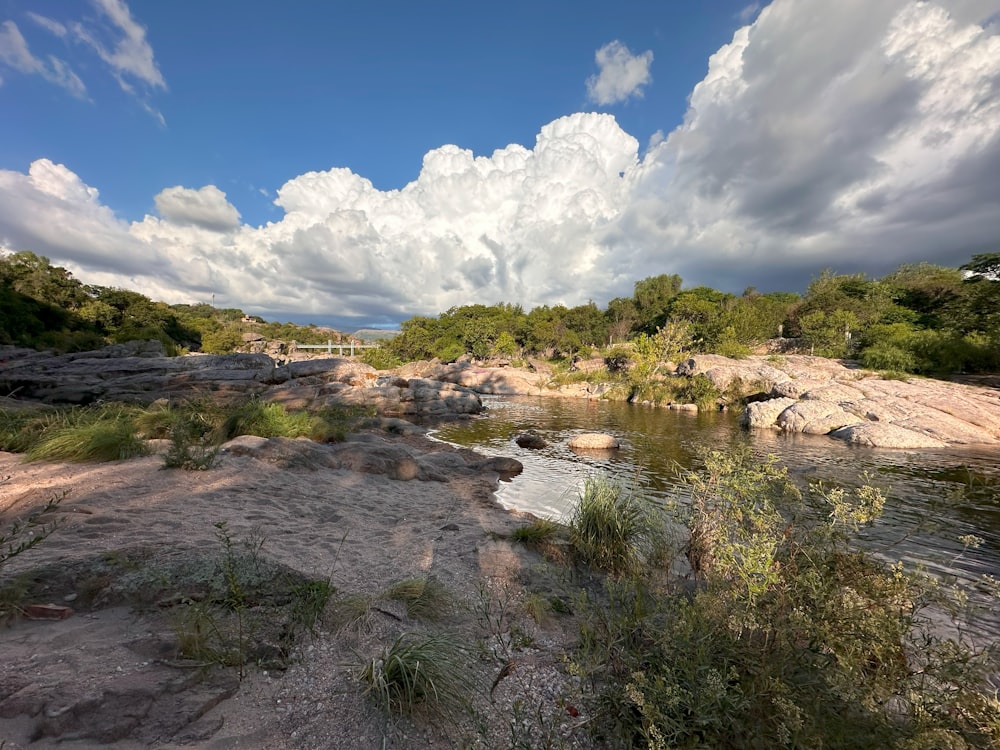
<point>933,496</point>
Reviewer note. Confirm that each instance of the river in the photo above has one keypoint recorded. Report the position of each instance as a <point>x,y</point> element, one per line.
<point>934,497</point>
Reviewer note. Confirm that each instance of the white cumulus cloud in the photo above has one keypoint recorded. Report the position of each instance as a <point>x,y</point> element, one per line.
<point>621,75</point>
<point>206,208</point>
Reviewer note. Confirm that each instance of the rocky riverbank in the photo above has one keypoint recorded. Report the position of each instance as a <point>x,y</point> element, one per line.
<point>794,393</point>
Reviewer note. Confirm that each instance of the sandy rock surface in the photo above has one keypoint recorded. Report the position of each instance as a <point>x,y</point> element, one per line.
<point>363,515</point>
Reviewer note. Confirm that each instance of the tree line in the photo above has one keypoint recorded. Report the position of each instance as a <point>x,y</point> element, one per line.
<point>921,318</point>
<point>43,306</point>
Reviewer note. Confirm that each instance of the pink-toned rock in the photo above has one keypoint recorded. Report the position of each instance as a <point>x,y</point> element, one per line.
<point>594,441</point>
<point>882,435</point>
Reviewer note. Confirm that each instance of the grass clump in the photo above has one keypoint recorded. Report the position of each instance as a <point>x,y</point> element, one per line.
<point>540,531</point>
<point>425,597</point>
<point>104,433</point>
<point>613,529</point>
<point>414,671</point>
<point>256,417</point>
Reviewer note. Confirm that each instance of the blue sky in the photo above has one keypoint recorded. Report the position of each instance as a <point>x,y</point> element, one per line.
<point>144,145</point>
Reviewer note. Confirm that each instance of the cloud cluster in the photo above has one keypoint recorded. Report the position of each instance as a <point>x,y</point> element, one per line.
<point>114,36</point>
<point>621,75</point>
<point>848,135</point>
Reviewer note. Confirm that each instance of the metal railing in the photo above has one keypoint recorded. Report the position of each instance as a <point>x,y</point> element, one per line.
<point>329,346</point>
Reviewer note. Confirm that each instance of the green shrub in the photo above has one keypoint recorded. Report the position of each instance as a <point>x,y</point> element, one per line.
<point>618,359</point>
<point>381,358</point>
<point>790,637</point>
<point>888,357</point>
<point>697,389</point>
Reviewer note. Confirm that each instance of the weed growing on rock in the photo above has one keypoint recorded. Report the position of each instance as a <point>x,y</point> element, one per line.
<point>17,539</point>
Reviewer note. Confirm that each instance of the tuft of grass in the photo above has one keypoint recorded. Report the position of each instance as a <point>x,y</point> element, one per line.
<point>539,608</point>
<point>612,528</point>
<point>425,597</point>
<point>22,427</point>
<point>416,671</point>
<point>256,417</point>
<point>539,531</point>
<point>89,434</point>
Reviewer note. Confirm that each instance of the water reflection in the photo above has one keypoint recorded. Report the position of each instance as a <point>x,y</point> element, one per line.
<point>934,496</point>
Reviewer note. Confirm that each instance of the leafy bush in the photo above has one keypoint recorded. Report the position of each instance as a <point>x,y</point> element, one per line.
<point>381,358</point>
<point>697,389</point>
<point>790,637</point>
<point>618,359</point>
<point>888,357</point>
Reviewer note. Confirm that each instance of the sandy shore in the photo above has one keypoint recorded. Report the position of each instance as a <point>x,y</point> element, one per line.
<point>361,531</point>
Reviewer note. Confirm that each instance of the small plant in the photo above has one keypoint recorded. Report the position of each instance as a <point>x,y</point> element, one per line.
<point>426,598</point>
<point>309,600</point>
<point>417,671</point>
<point>612,528</point>
<point>188,452</point>
<point>494,612</point>
<point>17,539</point>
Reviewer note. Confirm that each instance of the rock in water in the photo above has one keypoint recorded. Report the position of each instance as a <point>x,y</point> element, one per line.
<point>594,441</point>
<point>530,440</point>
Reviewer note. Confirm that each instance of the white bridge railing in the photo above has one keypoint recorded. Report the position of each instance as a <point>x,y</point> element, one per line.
<point>329,346</point>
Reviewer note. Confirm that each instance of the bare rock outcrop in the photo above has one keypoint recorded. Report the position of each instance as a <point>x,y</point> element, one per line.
<point>369,454</point>
<point>829,397</point>
<point>141,372</point>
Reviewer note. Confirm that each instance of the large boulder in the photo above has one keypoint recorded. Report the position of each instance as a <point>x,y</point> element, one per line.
<point>139,371</point>
<point>838,399</point>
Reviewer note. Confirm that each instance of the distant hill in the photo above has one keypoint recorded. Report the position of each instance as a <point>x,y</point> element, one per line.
<point>374,334</point>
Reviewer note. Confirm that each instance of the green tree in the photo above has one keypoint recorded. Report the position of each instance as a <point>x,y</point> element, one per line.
<point>651,297</point>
